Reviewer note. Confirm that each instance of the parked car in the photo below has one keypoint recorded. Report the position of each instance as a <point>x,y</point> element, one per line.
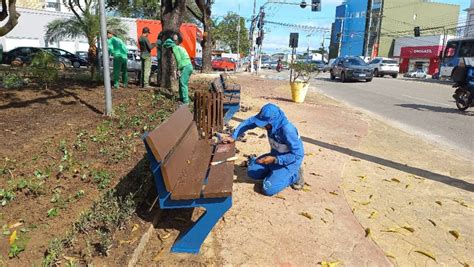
<point>197,63</point>
<point>385,66</point>
<point>223,64</point>
<point>318,65</point>
<point>351,68</point>
<point>83,54</point>
<point>265,64</point>
<point>76,61</point>
<point>419,73</point>
<point>329,65</point>
<point>22,56</point>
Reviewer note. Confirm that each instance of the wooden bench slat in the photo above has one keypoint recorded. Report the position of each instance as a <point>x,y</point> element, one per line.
<point>189,185</point>
<point>231,99</point>
<point>175,163</point>
<point>220,179</point>
<point>217,85</point>
<point>164,138</point>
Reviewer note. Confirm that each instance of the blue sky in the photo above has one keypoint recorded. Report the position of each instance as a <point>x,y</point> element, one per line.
<point>276,37</point>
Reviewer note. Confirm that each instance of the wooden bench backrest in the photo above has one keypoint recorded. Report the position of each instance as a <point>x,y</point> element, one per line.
<point>168,135</point>
<point>224,78</point>
<point>217,85</point>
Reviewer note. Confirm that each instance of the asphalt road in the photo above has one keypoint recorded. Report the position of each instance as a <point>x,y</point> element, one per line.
<point>420,107</point>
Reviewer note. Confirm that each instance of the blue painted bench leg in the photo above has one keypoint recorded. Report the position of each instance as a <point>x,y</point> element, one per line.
<point>229,112</point>
<point>191,240</point>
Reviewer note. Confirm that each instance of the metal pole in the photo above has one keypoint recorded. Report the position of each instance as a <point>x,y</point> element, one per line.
<point>252,47</point>
<point>105,59</point>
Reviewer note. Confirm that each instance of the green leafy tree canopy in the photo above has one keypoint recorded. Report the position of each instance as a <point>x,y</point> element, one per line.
<point>226,32</point>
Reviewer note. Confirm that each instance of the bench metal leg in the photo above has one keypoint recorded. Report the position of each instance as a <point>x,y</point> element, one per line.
<point>230,111</point>
<point>191,240</point>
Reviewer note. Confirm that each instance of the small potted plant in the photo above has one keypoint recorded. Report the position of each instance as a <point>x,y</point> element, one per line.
<point>299,80</point>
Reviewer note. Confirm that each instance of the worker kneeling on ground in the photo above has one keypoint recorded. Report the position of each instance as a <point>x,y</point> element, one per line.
<point>282,166</point>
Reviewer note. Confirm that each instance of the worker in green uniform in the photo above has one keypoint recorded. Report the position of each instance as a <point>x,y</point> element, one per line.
<point>185,68</point>
<point>118,50</point>
<point>145,49</point>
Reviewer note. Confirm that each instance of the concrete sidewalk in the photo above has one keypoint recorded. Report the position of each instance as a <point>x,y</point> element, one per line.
<point>372,198</point>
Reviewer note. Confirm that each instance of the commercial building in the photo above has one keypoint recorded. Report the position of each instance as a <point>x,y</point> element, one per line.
<point>469,32</point>
<point>369,27</point>
<point>419,53</point>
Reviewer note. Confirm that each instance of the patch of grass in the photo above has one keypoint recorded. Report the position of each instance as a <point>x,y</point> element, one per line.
<point>6,196</point>
<point>53,212</point>
<point>80,143</point>
<point>102,178</point>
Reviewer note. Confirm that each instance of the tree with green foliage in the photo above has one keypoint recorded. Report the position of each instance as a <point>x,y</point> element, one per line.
<point>84,23</point>
<point>226,32</point>
<point>144,9</point>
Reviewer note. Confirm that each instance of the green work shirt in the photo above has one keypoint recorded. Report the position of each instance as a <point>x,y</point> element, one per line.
<point>117,47</point>
<point>181,56</point>
<point>145,46</point>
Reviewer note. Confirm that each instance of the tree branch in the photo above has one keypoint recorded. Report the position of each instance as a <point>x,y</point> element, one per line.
<point>4,13</point>
<point>200,18</point>
<point>12,18</point>
<point>71,7</point>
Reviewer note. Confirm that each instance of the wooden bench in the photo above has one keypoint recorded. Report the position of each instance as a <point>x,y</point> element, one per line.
<point>180,163</point>
<point>228,85</point>
<point>231,99</point>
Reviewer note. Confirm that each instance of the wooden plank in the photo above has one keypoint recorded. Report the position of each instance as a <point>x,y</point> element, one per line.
<point>175,163</point>
<point>220,179</point>
<point>190,183</point>
<point>217,85</point>
<point>167,135</point>
<point>231,99</point>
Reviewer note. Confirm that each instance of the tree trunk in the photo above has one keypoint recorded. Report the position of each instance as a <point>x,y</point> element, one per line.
<point>207,43</point>
<point>171,18</point>
<point>92,57</point>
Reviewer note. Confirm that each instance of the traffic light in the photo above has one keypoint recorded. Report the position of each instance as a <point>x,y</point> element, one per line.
<point>416,30</point>
<point>315,5</point>
<point>303,4</point>
<point>294,39</point>
<point>261,20</point>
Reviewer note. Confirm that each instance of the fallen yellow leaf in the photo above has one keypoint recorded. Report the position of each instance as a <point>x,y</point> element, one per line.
<point>395,180</point>
<point>373,215</point>
<point>329,263</point>
<point>333,193</point>
<point>280,197</point>
<point>391,230</point>
<point>14,225</point>
<point>454,233</point>
<point>429,255</point>
<point>439,203</point>
<point>135,227</point>
<point>306,214</point>
<point>306,189</point>
<point>13,237</point>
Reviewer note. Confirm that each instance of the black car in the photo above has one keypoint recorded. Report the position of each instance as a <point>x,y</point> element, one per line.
<point>351,68</point>
<point>22,56</point>
<point>76,61</point>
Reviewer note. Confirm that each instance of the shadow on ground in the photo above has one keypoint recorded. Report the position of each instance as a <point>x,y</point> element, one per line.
<point>421,107</point>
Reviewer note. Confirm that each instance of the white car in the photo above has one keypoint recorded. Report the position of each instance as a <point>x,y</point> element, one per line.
<point>416,74</point>
<point>385,66</point>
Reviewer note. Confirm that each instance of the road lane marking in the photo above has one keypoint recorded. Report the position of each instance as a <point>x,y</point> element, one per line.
<point>427,101</point>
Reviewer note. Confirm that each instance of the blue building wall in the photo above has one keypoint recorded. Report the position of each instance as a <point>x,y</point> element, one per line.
<point>353,35</point>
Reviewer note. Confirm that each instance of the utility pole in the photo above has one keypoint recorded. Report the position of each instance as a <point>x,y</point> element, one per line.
<point>341,38</point>
<point>252,47</point>
<point>238,39</point>
<point>369,31</point>
<point>105,59</point>
<point>379,28</point>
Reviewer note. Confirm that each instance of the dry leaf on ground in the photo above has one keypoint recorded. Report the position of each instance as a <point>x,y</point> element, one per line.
<point>454,233</point>
<point>306,214</point>
<point>329,263</point>
<point>367,232</point>
<point>429,255</point>
<point>13,237</point>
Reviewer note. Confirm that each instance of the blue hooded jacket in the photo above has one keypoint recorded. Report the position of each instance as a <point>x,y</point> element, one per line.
<point>284,139</point>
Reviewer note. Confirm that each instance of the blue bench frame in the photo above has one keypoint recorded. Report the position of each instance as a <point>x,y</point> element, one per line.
<point>229,109</point>
<point>191,240</point>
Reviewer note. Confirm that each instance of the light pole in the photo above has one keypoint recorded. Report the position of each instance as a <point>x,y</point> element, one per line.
<point>105,59</point>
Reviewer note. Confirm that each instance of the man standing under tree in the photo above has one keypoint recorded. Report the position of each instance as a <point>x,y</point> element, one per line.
<point>145,49</point>
<point>118,50</point>
<point>183,62</point>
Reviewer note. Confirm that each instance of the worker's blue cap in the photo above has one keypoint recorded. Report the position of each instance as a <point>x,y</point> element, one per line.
<point>266,115</point>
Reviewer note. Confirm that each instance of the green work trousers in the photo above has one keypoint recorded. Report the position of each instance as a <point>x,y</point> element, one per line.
<point>120,67</point>
<point>146,69</point>
<point>183,83</point>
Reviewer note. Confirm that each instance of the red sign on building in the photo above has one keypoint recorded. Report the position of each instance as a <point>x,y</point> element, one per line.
<point>421,51</point>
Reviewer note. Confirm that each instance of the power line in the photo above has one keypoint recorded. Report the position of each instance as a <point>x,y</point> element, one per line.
<point>307,28</point>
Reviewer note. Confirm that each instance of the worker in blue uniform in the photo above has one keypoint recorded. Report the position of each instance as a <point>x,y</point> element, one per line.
<point>282,166</point>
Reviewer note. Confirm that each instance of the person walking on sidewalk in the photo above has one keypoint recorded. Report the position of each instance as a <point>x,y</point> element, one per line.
<point>118,50</point>
<point>282,166</point>
<point>145,49</point>
<point>185,68</point>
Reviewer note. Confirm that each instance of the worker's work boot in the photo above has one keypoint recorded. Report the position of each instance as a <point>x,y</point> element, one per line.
<point>300,183</point>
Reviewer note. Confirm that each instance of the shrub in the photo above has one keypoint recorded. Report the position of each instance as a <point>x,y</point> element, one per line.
<point>12,80</point>
<point>302,70</point>
<point>44,68</point>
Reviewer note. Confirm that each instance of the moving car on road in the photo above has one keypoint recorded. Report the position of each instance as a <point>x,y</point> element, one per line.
<point>384,66</point>
<point>351,68</point>
<point>76,61</point>
<point>318,65</point>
